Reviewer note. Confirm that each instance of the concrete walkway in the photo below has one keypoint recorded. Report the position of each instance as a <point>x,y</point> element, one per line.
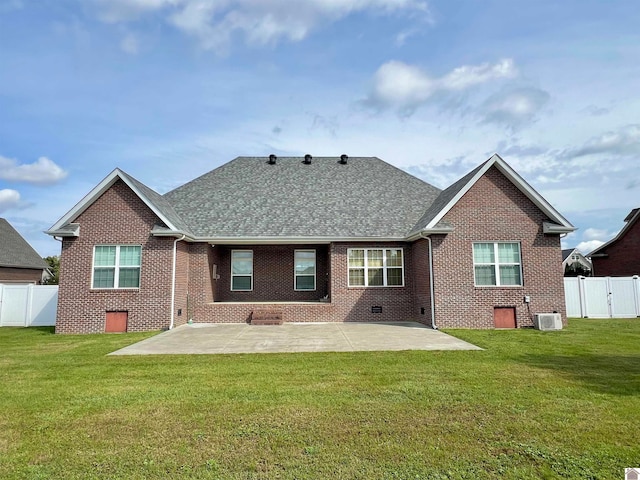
<point>295,337</point>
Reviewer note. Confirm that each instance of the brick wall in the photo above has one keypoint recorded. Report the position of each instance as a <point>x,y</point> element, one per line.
<point>495,210</point>
<point>623,258</point>
<point>421,281</point>
<point>182,300</point>
<point>117,217</point>
<point>273,274</point>
<point>20,275</point>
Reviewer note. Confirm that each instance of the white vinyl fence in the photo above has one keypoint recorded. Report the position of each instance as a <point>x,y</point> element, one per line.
<point>602,297</point>
<point>28,305</point>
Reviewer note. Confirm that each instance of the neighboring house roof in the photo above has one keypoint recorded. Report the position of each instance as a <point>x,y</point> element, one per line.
<point>630,219</point>
<point>250,200</point>
<point>573,255</point>
<point>15,251</point>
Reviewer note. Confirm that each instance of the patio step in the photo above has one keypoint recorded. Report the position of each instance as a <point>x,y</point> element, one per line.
<point>266,317</point>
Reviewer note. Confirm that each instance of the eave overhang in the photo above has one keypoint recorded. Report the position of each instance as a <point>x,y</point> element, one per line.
<point>555,229</point>
<point>272,240</point>
<point>68,230</point>
<point>429,231</point>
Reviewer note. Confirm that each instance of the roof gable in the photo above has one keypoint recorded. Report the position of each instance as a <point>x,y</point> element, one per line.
<point>630,220</point>
<point>566,252</point>
<point>156,203</point>
<point>431,220</point>
<point>15,251</point>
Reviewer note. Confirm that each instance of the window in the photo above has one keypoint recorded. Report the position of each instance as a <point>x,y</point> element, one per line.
<point>305,269</point>
<point>242,270</point>
<point>375,267</point>
<point>497,264</point>
<point>116,266</point>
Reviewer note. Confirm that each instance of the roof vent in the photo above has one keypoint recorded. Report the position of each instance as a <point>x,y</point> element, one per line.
<point>343,159</point>
<point>307,159</point>
<point>272,159</point>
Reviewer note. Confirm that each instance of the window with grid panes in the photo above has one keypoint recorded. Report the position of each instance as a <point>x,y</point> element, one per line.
<point>375,267</point>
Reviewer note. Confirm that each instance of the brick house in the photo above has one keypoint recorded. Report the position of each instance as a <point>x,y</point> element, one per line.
<point>316,239</point>
<point>19,262</point>
<point>620,256</point>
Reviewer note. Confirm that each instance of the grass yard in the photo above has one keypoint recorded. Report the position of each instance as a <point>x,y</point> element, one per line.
<point>532,405</point>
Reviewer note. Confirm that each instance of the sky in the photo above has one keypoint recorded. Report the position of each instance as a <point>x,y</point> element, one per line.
<point>168,90</point>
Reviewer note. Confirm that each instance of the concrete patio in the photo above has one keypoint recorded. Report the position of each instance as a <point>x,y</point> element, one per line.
<point>295,337</point>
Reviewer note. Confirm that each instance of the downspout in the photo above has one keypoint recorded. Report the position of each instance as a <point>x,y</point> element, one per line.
<point>173,279</point>
<point>431,287</point>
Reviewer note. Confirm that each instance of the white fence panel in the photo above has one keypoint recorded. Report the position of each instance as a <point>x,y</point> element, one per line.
<point>572,296</point>
<point>13,309</point>
<point>623,297</point>
<point>44,305</point>
<point>28,305</point>
<point>596,297</point>
<point>602,297</point>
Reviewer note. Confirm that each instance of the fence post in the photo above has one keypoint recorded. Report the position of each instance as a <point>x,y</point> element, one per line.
<point>636,294</point>
<point>583,300</point>
<point>28,319</point>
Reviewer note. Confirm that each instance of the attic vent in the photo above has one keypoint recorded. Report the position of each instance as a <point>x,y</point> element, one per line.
<point>307,159</point>
<point>272,159</point>
<point>343,159</point>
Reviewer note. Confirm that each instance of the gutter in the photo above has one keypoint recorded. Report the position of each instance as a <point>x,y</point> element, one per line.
<point>173,279</point>
<point>431,287</point>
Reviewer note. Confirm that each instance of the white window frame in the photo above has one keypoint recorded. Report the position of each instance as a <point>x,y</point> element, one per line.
<point>497,265</point>
<point>116,267</point>
<point>366,267</point>
<point>296,274</point>
<point>241,275</point>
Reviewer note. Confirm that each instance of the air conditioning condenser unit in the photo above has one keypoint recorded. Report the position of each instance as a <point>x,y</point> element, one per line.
<point>547,321</point>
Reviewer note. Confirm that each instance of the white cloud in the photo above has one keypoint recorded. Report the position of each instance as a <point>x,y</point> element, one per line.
<point>9,199</point>
<point>625,141</point>
<point>402,37</point>
<point>589,246</point>
<point>113,11</point>
<point>41,172</point>
<point>467,76</point>
<point>405,87</point>
<point>514,107</point>
<point>595,234</point>
<point>129,44</point>
<point>596,111</point>
<point>261,22</point>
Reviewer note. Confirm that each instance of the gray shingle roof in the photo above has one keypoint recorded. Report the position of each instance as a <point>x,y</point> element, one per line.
<point>566,252</point>
<point>247,197</point>
<point>15,251</point>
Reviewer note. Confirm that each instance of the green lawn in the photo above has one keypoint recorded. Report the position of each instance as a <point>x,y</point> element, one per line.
<point>532,405</point>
